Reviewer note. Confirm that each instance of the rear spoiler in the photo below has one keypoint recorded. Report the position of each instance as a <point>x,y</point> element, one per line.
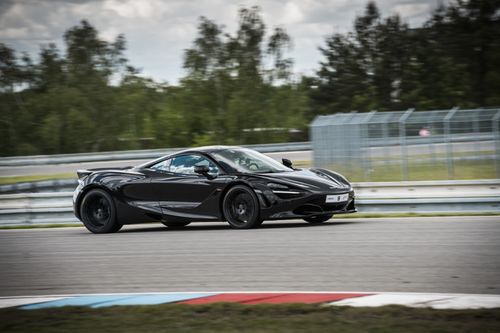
<point>83,173</point>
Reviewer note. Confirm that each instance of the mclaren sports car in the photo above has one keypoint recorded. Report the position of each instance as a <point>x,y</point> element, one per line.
<point>217,183</point>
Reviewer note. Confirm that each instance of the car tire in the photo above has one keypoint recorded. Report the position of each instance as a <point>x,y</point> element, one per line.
<point>98,212</point>
<point>241,208</point>
<point>317,219</point>
<point>175,224</point>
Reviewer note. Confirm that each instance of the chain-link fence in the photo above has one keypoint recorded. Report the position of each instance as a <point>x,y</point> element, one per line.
<point>409,145</point>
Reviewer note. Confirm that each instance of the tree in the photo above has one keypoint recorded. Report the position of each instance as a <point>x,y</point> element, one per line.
<point>230,79</point>
<point>453,60</point>
<point>346,77</point>
<point>15,117</point>
<point>51,69</point>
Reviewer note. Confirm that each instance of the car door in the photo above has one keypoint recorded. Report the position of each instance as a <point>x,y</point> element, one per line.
<point>183,193</point>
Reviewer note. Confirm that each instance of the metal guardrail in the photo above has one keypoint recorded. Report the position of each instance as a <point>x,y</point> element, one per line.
<point>55,185</point>
<point>388,197</point>
<point>133,154</point>
<point>263,148</point>
<point>434,139</point>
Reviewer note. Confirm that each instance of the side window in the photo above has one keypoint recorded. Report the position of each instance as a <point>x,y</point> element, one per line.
<point>163,165</point>
<point>185,164</point>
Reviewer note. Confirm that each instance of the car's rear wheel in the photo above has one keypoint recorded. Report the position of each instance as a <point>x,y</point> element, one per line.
<point>175,224</point>
<point>317,219</point>
<point>98,212</point>
<point>241,208</point>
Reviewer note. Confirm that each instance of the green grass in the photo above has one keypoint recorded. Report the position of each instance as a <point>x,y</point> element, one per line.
<point>419,171</point>
<point>225,317</point>
<point>38,226</point>
<point>302,164</point>
<point>420,167</point>
<point>33,178</point>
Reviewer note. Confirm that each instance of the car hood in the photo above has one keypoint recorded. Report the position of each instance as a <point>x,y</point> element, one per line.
<point>310,179</point>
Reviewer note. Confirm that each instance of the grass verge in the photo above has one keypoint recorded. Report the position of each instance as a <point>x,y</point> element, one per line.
<point>225,317</point>
<point>34,178</point>
<point>39,226</point>
<point>356,173</point>
<point>417,170</point>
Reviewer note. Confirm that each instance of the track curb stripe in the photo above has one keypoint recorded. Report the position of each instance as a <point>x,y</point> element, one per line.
<point>359,299</point>
<point>425,300</point>
<point>99,301</point>
<point>273,298</point>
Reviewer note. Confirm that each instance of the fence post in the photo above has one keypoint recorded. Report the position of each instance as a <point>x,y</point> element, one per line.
<point>447,138</point>
<point>431,124</point>
<point>365,137</point>
<point>477,131</point>
<point>385,136</point>
<point>402,143</point>
<point>496,135</point>
<point>317,146</point>
<point>349,139</point>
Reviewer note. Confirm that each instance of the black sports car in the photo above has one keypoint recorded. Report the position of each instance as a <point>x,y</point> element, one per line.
<point>218,183</point>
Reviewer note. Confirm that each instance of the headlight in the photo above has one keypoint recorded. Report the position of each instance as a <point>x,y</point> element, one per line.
<point>274,186</point>
<point>283,191</point>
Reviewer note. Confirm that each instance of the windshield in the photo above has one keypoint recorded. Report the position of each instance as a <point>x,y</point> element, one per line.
<point>247,160</point>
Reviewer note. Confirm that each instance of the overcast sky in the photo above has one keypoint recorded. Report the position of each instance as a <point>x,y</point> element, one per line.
<point>158,31</point>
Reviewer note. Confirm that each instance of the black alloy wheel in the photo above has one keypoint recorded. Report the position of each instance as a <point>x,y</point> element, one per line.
<point>98,212</point>
<point>241,208</point>
<point>317,219</point>
<point>174,224</point>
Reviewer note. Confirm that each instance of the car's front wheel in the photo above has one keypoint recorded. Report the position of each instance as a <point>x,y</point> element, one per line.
<point>317,219</point>
<point>241,208</point>
<point>98,212</point>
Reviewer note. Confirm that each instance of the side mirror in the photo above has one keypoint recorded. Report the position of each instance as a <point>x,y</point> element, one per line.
<point>286,162</point>
<point>201,169</point>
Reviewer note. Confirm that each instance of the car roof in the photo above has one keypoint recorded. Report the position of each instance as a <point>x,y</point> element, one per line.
<point>203,150</point>
<point>209,149</point>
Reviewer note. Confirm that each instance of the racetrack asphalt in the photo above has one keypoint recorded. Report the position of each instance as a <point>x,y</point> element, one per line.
<point>416,254</point>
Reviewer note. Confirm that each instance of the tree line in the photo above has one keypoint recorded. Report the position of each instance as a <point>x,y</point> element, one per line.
<point>240,88</point>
